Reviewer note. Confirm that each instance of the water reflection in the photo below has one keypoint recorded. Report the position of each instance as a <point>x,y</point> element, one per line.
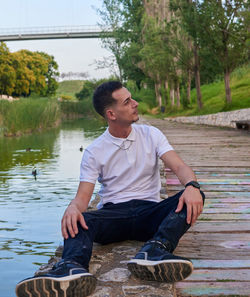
<point>31,210</point>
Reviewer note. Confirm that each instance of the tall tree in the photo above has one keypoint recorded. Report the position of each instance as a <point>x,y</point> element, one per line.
<point>187,9</point>
<point>7,72</point>
<point>25,72</point>
<point>51,74</point>
<point>112,19</point>
<point>223,30</point>
<point>123,17</point>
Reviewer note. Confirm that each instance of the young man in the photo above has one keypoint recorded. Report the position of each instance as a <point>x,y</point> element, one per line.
<point>124,159</point>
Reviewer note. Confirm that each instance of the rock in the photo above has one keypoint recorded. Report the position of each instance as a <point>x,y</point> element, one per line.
<point>222,119</point>
<point>45,268</point>
<point>115,275</point>
<point>93,268</point>
<point>145,291</point>
<point>102,292</point>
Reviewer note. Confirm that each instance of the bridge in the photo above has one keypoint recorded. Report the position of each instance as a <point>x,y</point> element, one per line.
<point>57,32</point>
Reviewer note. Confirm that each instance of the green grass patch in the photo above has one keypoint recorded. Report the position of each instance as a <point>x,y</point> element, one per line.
<point>213,96</point>
<point>69,88</point>
<point>28,115</point>
<point>71,109</point>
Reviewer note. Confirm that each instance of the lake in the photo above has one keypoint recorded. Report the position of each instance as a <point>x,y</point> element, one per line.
<point>31,208</point>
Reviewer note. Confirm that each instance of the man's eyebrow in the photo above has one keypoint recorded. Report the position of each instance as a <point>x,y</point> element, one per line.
<point>127,98</point>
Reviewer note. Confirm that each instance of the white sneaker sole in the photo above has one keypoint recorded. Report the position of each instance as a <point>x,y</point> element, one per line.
<point>162,271</point>
<point>78,285</point>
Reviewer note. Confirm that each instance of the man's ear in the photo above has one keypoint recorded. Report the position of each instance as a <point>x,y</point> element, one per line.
<point>110,114</point>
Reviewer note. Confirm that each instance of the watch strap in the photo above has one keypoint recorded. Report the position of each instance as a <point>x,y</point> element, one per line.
<point>193,183</point>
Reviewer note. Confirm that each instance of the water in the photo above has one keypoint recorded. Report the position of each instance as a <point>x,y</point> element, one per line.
<point>31,209</point>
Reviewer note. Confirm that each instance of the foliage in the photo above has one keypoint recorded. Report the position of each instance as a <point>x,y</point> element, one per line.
<point>213,96</point>
<point>69,87</point>
<point>225,33</point>
<point>73,109</point>
<point>7,71</point>
<point>24,72</point>
<point>89,86</point>
<point>173,44</point>
<point>66,98</point>
<point>123,17</point>
<point>28,115</point>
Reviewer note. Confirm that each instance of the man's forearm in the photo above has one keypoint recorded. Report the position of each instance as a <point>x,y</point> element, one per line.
<point>179,167</point>
<point>81,205</point>
<point>185,174</point>
<point>83,196</point>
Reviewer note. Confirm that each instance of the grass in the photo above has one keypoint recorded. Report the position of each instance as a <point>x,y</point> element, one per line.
<point>69,88</point>
<point>73,109</point>
<point>213,96</point>
<point>28,115</point>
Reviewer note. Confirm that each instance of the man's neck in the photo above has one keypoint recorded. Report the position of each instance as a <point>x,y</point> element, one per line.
<point>120,132</point>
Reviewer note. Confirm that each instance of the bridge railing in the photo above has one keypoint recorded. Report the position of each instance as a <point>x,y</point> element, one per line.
<point>54,29</point>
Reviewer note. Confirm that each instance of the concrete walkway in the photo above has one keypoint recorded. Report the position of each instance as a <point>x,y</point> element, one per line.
<point>219,243</point>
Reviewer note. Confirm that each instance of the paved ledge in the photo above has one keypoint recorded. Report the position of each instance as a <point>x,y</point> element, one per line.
<point>222,119</point>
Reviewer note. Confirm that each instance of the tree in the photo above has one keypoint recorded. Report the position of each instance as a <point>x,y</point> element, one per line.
<point>7,72</point>
<point>88,88</point>
<point>25,72</point>
<point>112,19</point>
<point>187,9</point>
<point>124,18</point>
<point>223,30</point>
<point>50,75</point>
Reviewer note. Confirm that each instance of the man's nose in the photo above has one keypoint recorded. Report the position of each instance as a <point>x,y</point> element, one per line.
<point>135,103</point>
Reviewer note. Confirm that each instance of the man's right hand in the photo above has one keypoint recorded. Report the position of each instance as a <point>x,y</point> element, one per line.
<point>71,217</point>
<point>73,213</point>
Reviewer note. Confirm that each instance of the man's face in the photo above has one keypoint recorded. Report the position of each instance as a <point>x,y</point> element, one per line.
<point>125,110</point>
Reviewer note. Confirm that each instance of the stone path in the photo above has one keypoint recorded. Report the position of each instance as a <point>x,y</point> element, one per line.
<point>219,243</point>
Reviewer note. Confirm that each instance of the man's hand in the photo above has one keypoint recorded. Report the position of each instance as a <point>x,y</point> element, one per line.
<point>73,213</point>
<point>194,202</point>
<point>70,218</point>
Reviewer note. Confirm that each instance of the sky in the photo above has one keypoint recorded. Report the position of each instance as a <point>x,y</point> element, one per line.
<point>76,55</point>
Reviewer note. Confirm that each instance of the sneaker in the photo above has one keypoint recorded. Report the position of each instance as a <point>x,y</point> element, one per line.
<point>155,263</point>
<point>66,279</point>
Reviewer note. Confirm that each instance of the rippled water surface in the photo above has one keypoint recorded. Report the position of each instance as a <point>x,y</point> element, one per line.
<point>31,209</point>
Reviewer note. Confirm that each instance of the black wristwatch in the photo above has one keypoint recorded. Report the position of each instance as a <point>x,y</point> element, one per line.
<point>194,184</point>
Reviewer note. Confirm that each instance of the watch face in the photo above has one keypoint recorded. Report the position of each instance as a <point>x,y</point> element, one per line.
<point>194,184</point>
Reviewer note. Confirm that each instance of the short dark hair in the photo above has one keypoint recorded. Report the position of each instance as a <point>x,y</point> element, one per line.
<point>102,97</point>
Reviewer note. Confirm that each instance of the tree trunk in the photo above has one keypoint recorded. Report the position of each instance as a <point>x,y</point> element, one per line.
<point>172,96</point>
<point>158,93</point>
<point>178,95</point>
<point>189,86</point>
<point>166,85</point>
<point>227,86</point>
<point>197,77</point>
<point>166,91</point>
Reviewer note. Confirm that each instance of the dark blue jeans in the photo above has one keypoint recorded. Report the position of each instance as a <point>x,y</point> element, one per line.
<point>132,220</point>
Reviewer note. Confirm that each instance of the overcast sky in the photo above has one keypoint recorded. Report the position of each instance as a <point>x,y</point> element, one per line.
<point>77,55</point>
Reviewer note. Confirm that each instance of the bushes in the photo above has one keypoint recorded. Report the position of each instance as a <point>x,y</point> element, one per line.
<point>71,109</point>
<point>28,115</point>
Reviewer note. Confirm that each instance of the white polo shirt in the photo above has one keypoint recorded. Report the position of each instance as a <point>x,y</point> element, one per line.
<point>127,168</point>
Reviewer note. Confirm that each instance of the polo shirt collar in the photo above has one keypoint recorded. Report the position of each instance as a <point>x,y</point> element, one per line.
<point>119,141</point>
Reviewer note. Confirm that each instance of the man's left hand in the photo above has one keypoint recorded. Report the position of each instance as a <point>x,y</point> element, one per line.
<point>193,200</point>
